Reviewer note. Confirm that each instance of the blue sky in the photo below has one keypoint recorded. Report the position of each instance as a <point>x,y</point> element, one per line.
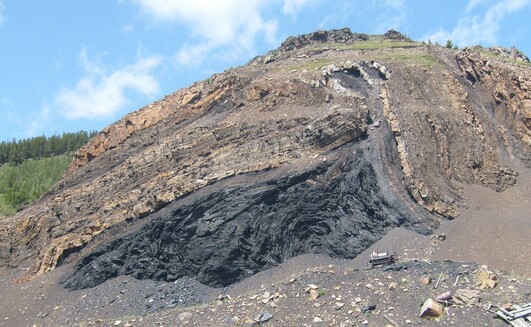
<point>81,65</point>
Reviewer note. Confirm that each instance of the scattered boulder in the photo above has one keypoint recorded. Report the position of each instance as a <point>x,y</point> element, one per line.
<point>425,280</point>
<point>512,53</point>
<point>394,35</point>
<point>369,308</point>
<point>317,320</point>
<point>439,237</point>
<point>467,297</point>
<point>263,316</point>
<point>485,278</point>
<point>431,309</point>
<point>314,295</point>
<point>312,289</point>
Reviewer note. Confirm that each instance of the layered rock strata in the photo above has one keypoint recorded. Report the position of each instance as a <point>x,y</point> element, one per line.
<point>320,146</point>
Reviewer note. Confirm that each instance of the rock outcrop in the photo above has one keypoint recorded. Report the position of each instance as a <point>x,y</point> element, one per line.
<point>508,89</point>
<point>344,36</point>
<point>239,228</point>
<point>320,146</point>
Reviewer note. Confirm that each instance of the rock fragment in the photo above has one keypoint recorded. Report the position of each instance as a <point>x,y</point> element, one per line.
<point>431,309</point>
<point>263,316</point>
<point>369,308</point>
<point>485,278</point>
<point>184,316</point>
<point>425,280</point>
<point>466,297</point>
<point>314,295</point>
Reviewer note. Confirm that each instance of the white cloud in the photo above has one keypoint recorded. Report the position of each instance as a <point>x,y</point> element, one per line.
<point>473,4</point>
<point>192,55</point>
<point>6,102</point>
<point>392,15</point>
<point>99,94</point>
<point>217,24</point>
<point>385,15</point>
<point>292,7</point>
<point>37,123</point>
<point>396,4</point>
<point>341,13</point>
<point>477,29</point>
<point>128,28</point>
<point>2,7</point>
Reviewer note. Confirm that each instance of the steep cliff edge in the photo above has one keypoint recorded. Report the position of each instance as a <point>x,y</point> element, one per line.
<point>320,146</point>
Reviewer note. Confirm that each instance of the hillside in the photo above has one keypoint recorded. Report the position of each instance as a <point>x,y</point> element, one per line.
<point>322,146</point>
<point>29,167</point>
<point>24,183</point>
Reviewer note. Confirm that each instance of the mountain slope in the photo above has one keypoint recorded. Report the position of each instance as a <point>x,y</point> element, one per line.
<point>320,146</point>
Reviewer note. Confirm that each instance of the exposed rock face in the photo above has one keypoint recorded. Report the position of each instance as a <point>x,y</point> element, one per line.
<point>395,35</point>
<point>333,36</point>
<point>513,53</point>
<point>509,90</point>
<point>335,207</point>
<point>115,134</point>
<point>440,132</point>
<point>311,148</point>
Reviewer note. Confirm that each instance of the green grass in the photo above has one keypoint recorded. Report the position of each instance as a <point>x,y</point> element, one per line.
<point>374,43</point>
<point>23,184</point>
<point>423,59</point>
<point>310,65</point>
<point>317,64</point>
<point>5,208</point>
<point>371,44</point>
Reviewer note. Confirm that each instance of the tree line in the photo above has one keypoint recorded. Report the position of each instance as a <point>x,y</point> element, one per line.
<point>16,152</point>
<point>22,184</point>
<point>23,180</point>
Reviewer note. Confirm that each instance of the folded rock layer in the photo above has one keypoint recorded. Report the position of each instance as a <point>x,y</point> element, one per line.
<point>320,146</point>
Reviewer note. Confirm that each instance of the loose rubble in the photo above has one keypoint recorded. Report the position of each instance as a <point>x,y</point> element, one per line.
<point>345,297</point>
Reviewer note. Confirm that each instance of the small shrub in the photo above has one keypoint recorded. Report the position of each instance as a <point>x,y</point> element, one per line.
<point>449,44</point>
